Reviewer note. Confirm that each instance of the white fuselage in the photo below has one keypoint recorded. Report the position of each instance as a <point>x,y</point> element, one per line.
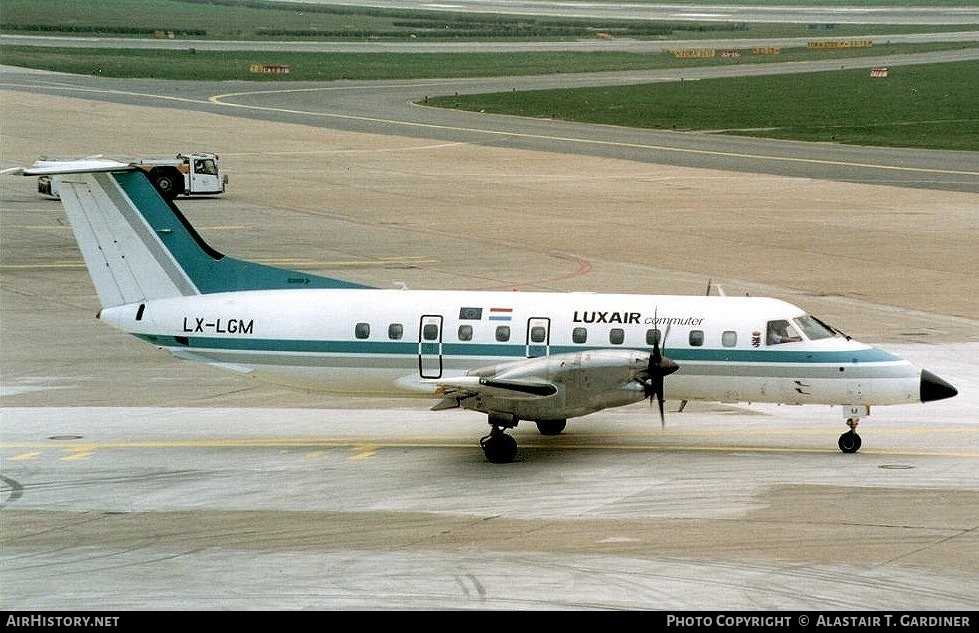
<point>410,341</point>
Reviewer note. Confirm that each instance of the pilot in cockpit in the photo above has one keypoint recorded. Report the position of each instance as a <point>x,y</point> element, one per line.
<point>780,331</point>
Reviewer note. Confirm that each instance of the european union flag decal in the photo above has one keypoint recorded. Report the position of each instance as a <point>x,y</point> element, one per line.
<point>470,314</point>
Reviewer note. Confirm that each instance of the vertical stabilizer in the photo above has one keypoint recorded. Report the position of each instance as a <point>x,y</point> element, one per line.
<point>138,246</point>
<point>124,253</point>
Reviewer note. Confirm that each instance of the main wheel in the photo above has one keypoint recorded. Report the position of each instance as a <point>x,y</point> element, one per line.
<point>551,427</point>
<point>850,442</point>
<point>499,448</point>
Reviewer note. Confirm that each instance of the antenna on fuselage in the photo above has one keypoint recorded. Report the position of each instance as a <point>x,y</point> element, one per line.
<point>720,291</point>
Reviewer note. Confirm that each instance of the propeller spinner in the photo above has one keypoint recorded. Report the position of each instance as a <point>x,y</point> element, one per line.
<point>652,377</point>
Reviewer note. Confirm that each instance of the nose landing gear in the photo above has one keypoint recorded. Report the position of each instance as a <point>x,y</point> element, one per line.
<point>850,442</point>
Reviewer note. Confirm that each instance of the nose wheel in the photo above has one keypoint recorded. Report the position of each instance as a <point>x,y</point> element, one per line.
<point>850,442</point>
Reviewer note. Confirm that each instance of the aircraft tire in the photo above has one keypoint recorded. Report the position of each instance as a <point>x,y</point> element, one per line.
<point>500,448</point>
<point>551,427</point>
<point>850,442</point>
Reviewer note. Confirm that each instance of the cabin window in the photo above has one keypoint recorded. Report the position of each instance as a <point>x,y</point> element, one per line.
<point>653,337</point>
<point>538,334</point>
<point>616,336</point>
<point>465,332</point>
<point>729,338</point>
<point>362,330</point>
<point>579,335</point>
<point>780,331</point>
<point>430,332</point>
<point>502,333</point>
<point>396,331</point>
<point>696,338</point>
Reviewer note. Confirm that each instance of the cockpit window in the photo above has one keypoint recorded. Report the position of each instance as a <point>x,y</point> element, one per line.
<point>813,328</point>
<point>781,331</point>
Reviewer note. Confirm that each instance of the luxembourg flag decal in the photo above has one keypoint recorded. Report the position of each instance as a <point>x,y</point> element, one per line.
<point>500,314</point>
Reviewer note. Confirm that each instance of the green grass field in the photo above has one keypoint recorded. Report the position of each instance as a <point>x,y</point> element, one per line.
<point>927,106</point>
<point>221,66</point>
<point>255,19</point>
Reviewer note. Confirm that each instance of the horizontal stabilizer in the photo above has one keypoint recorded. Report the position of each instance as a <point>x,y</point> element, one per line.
<point>81,166</point>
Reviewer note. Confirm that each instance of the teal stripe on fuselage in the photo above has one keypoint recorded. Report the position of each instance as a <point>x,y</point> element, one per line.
<point>514,352</point>
<point>210,270</point>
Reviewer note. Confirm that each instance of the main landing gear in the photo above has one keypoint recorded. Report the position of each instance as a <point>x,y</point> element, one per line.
<point>501,448</point>
<point>850,442</point>
<point>551,427</point>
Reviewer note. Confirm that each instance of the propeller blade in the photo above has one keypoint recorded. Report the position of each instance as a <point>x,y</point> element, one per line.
<point>660,399</point>
<point>658,367</point>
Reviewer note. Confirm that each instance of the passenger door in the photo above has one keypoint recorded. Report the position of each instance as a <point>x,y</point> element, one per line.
<point>430,346</point>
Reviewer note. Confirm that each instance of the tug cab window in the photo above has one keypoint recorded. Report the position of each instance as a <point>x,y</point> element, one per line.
<point>205,167</point>
<point>781,331</point>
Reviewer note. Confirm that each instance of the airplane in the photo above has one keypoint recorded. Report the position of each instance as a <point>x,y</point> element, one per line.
<point>542,357</point>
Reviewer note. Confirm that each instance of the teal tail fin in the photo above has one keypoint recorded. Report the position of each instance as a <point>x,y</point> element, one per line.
<point>138,246</point>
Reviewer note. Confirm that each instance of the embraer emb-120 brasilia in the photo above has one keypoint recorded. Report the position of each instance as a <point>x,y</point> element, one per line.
<point>515,356</point>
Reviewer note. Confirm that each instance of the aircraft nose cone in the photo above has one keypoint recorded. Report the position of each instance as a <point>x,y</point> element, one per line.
<point>934,388</point>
